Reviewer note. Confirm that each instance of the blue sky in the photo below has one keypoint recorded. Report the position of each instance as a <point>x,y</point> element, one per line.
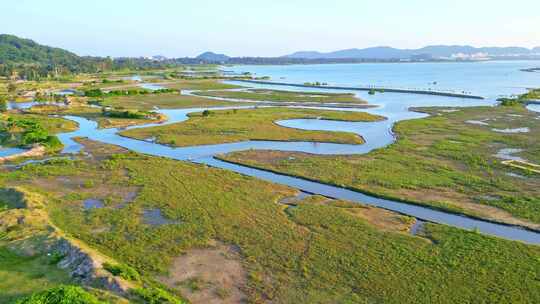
<point>267,28</point>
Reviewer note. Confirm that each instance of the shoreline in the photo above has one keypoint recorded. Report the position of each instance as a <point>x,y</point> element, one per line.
<point>34,152</point>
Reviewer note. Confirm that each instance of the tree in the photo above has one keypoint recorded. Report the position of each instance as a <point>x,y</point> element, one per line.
<point>206,113</point>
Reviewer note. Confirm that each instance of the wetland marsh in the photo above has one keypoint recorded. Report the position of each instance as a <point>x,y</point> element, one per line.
<point>151,200</point>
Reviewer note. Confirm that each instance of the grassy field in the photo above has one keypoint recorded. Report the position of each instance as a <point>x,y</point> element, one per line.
<point>22,275</point>
<point>320,251</point>
<point>447,161</point>
<point>285,96</point>
<point>226,126</point>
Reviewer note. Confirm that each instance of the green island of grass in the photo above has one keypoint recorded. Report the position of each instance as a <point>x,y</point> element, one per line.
<point>225,126</point>
<point>198,84</point>
<point>285,96</point>
<point>446,161</point>
<point>164,101</point>
<point>320,251</point>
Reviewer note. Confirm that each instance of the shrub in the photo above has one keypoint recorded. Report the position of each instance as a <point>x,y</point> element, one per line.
<point>125,114</point>
<point>156,296</point>
<point>55,258</point>
<point>509,102</point>
<point>206,113</point>
<point>93,93</point>
<point>61,295</point>
<point>123,271</point>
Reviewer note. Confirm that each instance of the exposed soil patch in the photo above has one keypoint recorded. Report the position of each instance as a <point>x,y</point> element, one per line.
<point>99,151</point>
<point>212,275</point>
<point>383,219</point>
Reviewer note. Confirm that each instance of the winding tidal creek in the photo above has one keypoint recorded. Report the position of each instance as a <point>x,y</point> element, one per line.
<point>376,135</point>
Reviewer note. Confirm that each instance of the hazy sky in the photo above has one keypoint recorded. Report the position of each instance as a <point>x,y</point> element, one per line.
<point>267,28</point>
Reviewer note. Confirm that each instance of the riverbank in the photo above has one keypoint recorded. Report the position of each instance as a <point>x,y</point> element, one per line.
<point>35,151</point>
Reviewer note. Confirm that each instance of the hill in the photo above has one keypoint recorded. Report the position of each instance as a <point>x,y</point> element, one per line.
<point>435,51</point>
<point>213,57</point>
<point>17,52</point>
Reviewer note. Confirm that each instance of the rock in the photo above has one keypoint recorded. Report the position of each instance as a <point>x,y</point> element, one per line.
<point>87,268</point>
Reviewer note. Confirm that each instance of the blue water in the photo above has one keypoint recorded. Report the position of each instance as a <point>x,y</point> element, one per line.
<point>151,86</point>
<point>491,79</point>
<point>534,107</point>
<point>10,151</point>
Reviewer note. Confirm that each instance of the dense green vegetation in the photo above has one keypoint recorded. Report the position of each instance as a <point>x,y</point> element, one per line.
<point>26,130</point>
<point>156,296</point>
<point>138,91</point>
<point>521,99</point>
<point>447,161</point>
<point>249,124</point>
<point>123,271</point>
<point>284,96</point>
<point>61,295</point>
<point>317,252</point>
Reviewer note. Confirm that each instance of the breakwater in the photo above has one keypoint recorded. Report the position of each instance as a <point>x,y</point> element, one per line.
<point>390,90</point>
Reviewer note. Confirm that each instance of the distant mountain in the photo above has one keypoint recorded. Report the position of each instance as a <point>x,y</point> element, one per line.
<point>372,53</point>
<point>213,57</point>
<point>435,51</point>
